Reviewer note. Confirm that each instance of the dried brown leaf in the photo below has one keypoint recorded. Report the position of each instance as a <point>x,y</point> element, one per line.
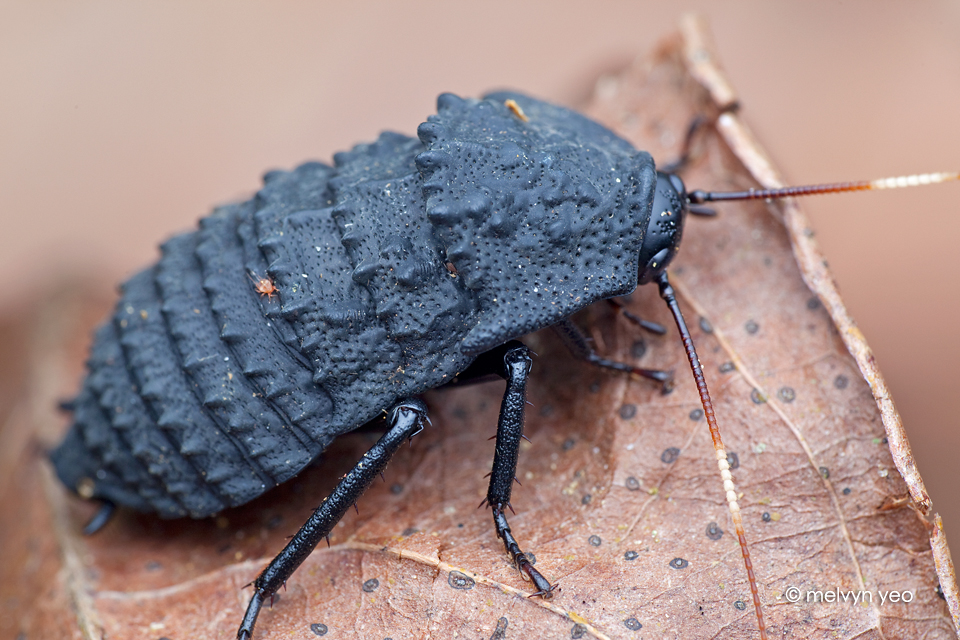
<point>619,491</point>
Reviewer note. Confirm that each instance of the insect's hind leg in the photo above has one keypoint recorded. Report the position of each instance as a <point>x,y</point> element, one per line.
<point>514,366</point>
<point>405,420</point>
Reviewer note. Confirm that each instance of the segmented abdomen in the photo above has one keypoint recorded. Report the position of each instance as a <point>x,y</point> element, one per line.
<point>204,393</point>
<point>392,270</point>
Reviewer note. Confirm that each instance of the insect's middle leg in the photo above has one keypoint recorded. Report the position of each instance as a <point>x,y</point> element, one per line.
<point>406,420</point>
<point>516,369</point>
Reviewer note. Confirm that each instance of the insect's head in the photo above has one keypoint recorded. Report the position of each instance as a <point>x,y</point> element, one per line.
<point>672,202</point>
<point>665,227</point>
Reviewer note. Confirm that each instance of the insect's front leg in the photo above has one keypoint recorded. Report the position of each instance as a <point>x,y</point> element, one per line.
<point>516,369</point>
<point>621,307</point>
<point>406,420</point>
<point>577,344</point>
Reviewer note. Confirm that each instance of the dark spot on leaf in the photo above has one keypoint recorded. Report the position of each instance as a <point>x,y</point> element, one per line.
<point>633,624</point>
<point>714,532</point>
<point>594,541</point>
<point>501,631</point>
<point>705,325</point>
<point>577,631</point>
<point>409,531</point>
<point>632,483</point>
<point>841,381</point>
<point>740,605</point>
<point>847,491</point>
<point>669,455</point>
<point>568,444</point>
<point>631,555</point>
<point>733,460</point>
<point>727,367</point>
<point>787,394</point>
<point>751,327</point>
<point>696,414</point>
<point>370,585</point>
<point>765,516</point>
<point>813,304</point>
<point>627,411</point>
<point>396,488</point>
<point>825,472</point>
<point>586,499</point>
<point>679,563</point>
<point>638,349</point>
<point>460,581</point>
<point>319,629</point>
<point>757,397</point>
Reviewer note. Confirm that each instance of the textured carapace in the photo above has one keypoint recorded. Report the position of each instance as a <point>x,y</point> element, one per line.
<point>203,393</point>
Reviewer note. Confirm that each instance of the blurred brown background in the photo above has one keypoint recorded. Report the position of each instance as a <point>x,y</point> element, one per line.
<point>121,123</point>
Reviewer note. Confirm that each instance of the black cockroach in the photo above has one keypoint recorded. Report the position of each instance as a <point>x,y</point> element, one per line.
<point>408,265</point>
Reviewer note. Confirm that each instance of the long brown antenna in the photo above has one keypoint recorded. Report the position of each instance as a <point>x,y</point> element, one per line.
<point>667,293</point>
<point>698,196</point>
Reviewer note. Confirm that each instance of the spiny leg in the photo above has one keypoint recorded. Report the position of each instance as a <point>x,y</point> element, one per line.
<point>696,125</point>
<point>652,327</point>
<point>516,365</point>
<point>406,420</point>
<point>668,295</point>
<point>577,343</point>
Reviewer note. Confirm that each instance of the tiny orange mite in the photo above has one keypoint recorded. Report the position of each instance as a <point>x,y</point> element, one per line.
<point>264,286</point>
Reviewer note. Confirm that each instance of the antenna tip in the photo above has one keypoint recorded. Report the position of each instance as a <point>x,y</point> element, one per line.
<point>914,180</point>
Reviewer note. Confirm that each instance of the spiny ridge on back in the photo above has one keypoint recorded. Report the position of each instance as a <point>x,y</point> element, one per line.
<point>338,291</point>
<point>283,381</point>
<point>541,216</point>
